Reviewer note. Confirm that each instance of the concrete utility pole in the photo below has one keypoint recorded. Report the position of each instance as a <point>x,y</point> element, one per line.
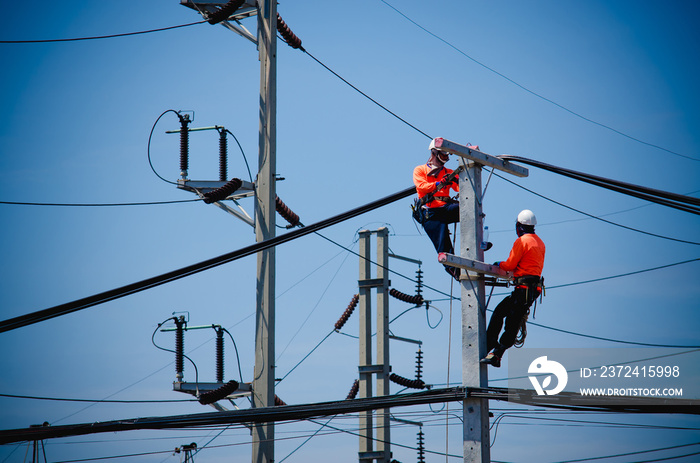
<point>264,379</point>
<point>383,367</point>
<point>476,440</point>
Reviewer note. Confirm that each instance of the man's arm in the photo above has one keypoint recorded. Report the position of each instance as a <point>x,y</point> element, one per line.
<point>516,253</point>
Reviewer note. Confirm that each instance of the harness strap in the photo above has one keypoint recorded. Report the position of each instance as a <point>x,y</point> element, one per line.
<point>431,196</point>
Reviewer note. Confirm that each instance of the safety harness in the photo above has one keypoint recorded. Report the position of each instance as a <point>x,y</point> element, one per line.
<point>417,208</point>
<point>534,286</point>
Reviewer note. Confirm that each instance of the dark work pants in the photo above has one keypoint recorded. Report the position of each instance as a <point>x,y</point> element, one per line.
<point>512,309</point>
<point>436,226</point>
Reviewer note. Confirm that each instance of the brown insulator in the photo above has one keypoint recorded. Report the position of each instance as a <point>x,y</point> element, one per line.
<point>223,192</point>
<point>417,299</point>
<point>287,34</point>
<point>351,307</point>
<point>218,394</point>
<point>405,382</point>
<point>353,390</point>
<point>286,212</point>
<point>224,12</point>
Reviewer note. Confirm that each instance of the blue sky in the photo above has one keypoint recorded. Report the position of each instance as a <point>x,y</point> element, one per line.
<point>76,126</point>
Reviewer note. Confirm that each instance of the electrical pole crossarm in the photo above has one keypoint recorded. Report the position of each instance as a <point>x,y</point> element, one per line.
<point>480,158</point>
<point>474,265</point>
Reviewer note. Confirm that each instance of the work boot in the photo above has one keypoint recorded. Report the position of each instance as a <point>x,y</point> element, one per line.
<point>492,359</point>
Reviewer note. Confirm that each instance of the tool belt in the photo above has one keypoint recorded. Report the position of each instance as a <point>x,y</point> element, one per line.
<point>533,285</point>
<point>444,199</point>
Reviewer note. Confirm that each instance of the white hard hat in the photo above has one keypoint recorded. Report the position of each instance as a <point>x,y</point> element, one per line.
<point>527,217</point>
<point>432,143</point>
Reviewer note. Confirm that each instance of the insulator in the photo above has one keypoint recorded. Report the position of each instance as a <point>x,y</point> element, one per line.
<point>179,348</point>
<point>353,390</point>
<point>419,365</point>
<point>419,282</point>
<point>223,156</point>
<point>417,299</point>
<point>279,402</point>
<point>405,382</point>
<point>218,394</point>
<point>219,355</point>
<point>351,307</point>
<point>224,12</point>
<point>286,212</point>
<point>287,34</point>
<point>223,192</point>
<point>184,145</point>
<point>421,446</point>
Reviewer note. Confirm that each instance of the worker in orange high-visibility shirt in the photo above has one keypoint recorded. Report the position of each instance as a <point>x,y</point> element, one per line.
<point>526,261</point>
<point>435,209</point>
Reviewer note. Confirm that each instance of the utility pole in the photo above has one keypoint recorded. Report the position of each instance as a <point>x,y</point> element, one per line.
<point>474,374</point>
<point>265,193</point>
<point>383,367</point>
<point>475,431</point>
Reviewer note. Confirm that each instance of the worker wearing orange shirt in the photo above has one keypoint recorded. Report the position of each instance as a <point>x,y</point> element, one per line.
<point>435,209</point>
<point>526,260</point>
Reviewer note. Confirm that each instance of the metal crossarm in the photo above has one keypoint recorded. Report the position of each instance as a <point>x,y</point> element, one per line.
<point>474,266</point>
<point>480,158</point>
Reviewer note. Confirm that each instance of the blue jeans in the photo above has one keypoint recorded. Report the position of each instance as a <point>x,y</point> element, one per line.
<point>436,226</point>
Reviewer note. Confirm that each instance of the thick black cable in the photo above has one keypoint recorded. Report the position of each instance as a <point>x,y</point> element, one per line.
<point>254,415</point>
<point>537,94</point>
<point>90,301</point>
<point>650,194</point>
<point>126,34</point>
<point>596,217</point>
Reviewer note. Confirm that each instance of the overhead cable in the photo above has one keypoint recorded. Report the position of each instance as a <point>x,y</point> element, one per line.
<point>314,410</point>
<point>90,301</point>
<point>596,217</point>
<point>147,203</point>
<point>665,198</point>
<point>126,34</point>
<point>537,94</point>
<point>107,401</point>
<point>252,415</point>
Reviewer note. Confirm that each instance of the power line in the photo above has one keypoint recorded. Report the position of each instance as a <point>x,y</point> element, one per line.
<point>596,217</point>
<point>600,338</point>
<point>366,96</point>
<point>313,410</point>
<point>665,198</point>
<point>106,401</point>
<point>90,301</point>
<point>535,93</point>
<point>594,280</point>
<point>253,415</point>
<point>98,37</point>
<point>148,203</point>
